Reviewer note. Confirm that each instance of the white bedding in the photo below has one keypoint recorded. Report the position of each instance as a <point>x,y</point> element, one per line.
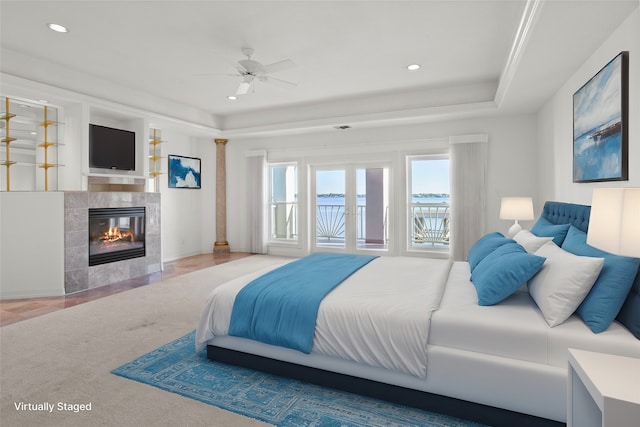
<point>515,328</point>
<point>379,316</point>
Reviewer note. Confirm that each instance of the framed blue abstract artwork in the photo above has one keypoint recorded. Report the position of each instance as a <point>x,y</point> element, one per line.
<point>184,172</point>
<point>600,124</point>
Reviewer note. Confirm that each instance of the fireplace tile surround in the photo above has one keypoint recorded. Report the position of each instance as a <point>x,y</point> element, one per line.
<point>79,276</point>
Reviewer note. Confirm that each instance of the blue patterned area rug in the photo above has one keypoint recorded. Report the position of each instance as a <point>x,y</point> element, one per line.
<point>177,368</point>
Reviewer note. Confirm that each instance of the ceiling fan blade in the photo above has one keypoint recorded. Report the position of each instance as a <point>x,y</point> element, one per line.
<point>279,66</point>
<point>215,75</point>
<point>277,82</point>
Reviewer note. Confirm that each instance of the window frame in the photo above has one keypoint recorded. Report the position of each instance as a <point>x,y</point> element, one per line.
<point>272,237</point>
<point>432,251</point>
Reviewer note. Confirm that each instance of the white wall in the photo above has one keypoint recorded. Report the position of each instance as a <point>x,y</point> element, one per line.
<point>555,121</point>
<point>188,215</point>
<point>75,156</point>
<point>512,159</point>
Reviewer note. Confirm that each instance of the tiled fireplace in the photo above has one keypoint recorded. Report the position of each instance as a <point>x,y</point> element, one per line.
<point>119,241</point>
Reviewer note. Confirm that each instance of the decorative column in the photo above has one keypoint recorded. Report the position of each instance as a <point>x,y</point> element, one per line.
<point>221,245</point>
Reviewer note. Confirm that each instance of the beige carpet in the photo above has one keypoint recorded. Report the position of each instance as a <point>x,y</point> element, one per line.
<point>67,356</point>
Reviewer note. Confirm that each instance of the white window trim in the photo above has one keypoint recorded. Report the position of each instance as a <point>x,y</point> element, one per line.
<point>407,201</point>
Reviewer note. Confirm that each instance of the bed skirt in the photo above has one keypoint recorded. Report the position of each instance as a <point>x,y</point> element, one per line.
<point>382,387</point>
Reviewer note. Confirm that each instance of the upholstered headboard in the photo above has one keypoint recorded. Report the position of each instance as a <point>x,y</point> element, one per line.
<point>567,213</point>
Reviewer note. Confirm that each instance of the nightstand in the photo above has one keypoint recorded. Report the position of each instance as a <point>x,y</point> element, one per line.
<point>603,390</point>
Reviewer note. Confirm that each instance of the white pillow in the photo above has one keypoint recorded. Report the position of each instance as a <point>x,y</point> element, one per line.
<point>529,241</point>
<point>563,282</point>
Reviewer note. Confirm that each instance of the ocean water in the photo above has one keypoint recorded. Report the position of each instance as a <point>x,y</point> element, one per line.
<point>597,159</point>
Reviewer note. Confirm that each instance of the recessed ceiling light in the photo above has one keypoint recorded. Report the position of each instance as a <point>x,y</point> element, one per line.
<point>58,28</point>
<point>232,98</point>
<point>413,67</point>
<point>44,101</point>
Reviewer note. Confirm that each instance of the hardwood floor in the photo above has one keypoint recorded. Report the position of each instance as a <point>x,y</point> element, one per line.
<point>16,310</point>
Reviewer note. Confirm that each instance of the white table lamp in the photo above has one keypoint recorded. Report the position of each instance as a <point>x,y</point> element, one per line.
<point>614,225</point>
<point>516,208</point>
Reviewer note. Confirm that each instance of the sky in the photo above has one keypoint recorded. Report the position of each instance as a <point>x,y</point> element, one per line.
<point>430,176</point>
<point>599,100</point>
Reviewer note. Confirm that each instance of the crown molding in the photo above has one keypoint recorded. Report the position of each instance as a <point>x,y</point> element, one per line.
<point>528,20</point>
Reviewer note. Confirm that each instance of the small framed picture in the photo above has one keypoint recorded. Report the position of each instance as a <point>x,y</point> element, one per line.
<point>184,172</point>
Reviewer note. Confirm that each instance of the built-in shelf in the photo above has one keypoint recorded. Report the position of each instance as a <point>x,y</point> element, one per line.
<point>32,164</point>
<point>7,140</point>
<point>30,140</point>
<point>155,157</point>
<point>45,145</point>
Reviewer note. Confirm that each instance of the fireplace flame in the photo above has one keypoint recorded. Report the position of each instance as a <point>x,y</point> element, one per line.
<point>114,235</point>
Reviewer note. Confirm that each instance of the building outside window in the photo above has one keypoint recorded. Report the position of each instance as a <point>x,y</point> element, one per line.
<point>283,202</point>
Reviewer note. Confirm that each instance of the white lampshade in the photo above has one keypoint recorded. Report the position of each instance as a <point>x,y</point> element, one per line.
<point>614,225</point>
<point>516,208</point>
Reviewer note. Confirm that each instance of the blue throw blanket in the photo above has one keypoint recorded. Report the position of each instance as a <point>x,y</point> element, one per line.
<point>281,307</point>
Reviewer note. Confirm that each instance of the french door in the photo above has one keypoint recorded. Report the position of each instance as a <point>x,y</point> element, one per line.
<point>350,208</point>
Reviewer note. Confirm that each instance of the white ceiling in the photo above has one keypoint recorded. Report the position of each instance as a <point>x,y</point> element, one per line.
<point>350,56</point>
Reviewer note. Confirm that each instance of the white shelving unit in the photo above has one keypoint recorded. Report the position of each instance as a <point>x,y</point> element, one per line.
<point>29,151</point>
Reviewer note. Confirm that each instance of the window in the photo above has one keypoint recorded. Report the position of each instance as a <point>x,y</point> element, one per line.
<point>283,202</point>
<point>351,207</point>
<point>429,203</point>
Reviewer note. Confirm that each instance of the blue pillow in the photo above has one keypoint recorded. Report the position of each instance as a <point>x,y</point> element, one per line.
<point>503,271</point>
<point>629,314</point>
<point>610,290</point>
<point>484,246</point>
<point>544,228</point>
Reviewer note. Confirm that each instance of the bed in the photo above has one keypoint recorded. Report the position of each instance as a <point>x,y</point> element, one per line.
<point>412,330</point>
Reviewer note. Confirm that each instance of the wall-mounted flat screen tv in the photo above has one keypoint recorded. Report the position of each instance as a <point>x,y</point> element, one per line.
<point>111,148</point>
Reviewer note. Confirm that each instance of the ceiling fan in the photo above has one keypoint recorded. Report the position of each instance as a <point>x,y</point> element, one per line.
<point>250,70</point>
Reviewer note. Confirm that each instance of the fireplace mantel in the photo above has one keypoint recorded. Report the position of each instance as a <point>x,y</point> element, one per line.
<point>103,182</point>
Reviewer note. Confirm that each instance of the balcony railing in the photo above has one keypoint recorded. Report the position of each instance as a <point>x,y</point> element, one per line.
<point>330,222</point>
<point>331,218</point>
<point>429,223</point>
<point>284,220</point>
